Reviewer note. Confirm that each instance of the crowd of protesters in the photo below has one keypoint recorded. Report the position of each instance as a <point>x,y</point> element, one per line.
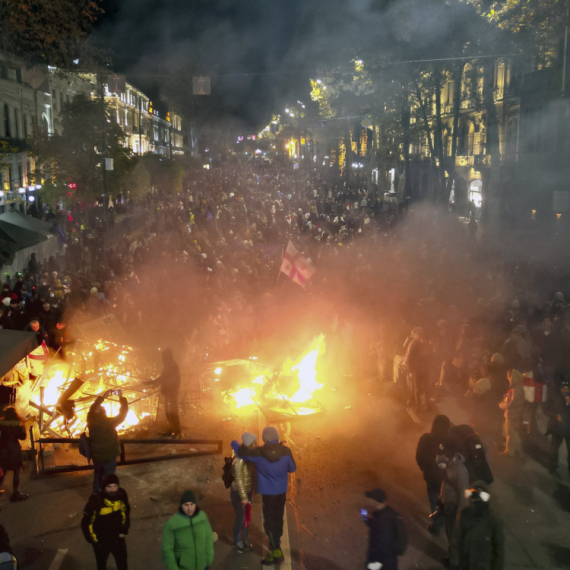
<point>492,330</point>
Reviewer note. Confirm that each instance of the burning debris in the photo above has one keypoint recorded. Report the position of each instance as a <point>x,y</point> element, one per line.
<point>287,393</point>
<point>64,391</point>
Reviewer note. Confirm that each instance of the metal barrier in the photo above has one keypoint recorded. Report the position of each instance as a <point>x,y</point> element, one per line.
<point>43,470</point>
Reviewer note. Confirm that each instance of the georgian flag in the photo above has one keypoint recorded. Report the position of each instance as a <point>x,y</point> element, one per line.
<point>295,266</point>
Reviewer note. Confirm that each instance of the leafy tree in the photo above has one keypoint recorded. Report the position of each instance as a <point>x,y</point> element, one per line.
<point>49,30</point>
<point>75,156</point>
<point>166,174</point>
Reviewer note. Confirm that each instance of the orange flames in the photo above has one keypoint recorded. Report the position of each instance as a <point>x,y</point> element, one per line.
<point>100,374</point>
<point>295,384</point>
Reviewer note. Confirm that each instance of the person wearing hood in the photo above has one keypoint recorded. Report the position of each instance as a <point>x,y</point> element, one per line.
<point>241,492</point>
<point>426,458</point>
<point>273,461</point>
<point>513,405</point>
<point>106,521</point>
<point>187,537</point>
<point>557,408</point>
<point>478,541</point>
<point>169,381</point>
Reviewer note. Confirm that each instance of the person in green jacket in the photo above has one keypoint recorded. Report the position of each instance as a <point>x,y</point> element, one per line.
<point>187,537</point>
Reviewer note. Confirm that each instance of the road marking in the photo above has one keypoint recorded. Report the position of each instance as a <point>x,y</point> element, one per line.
<point>285,542</point>
<point>414,416</point>
<point>56,564</point>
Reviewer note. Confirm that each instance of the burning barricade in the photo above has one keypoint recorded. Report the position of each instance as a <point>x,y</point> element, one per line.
<point>279,394</point>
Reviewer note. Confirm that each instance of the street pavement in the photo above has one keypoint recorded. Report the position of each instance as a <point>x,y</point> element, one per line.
<point>365,439</point>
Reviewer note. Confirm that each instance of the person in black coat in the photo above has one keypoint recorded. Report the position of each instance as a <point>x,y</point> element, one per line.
<point>557,408</point>
<point>7,557</point>
<point>388,538</point>
<point>41,333</point>
<point>169,382</point>
<point>11,432</point>
<point>106,521</point>
<point>426,457</point>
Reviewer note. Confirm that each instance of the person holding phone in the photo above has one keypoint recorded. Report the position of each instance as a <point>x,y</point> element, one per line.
<point>103,437</point>
<point>388,538</point>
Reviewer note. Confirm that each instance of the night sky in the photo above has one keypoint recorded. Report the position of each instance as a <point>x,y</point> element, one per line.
<point>160,44</point>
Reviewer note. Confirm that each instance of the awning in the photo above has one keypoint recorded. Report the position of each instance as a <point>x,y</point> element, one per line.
<point>20,236</point>
<point>27,222</point>
<point>14,346</point>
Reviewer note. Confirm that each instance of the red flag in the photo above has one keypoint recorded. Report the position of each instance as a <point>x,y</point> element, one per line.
<point>295,266</point>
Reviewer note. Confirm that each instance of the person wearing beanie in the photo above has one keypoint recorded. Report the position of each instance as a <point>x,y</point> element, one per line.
<point>187,537</point>
<point>273,461</point>
<point>388,537</point>
<point>479,540</point>
<point>106,521</point>
<point>240,493</point>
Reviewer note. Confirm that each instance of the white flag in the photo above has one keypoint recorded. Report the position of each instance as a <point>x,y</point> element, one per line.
<point>295,266</point>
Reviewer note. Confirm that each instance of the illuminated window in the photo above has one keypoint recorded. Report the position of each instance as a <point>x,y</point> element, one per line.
<point>475,192</point>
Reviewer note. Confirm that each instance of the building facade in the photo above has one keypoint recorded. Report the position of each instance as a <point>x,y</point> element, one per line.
<point>34,96</point>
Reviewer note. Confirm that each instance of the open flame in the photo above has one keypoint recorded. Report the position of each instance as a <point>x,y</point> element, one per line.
<point>95,373</point>
<point>298,378</point>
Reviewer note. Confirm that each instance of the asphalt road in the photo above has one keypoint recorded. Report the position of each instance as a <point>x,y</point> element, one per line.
<point>364,439</point>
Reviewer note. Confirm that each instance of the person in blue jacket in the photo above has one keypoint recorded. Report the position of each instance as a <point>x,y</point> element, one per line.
<point>273,462</point>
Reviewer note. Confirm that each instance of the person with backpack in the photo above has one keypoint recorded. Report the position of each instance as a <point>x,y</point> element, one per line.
<point>273,461</point>
<point>103,438</point>
<point>106,521</point>
<point>479,540</point>
<point>455,480</point>
<point>187,537</point>
<point>242,474</point>
<point>466,441</point>
<point>388,537</point>
<point>12,431</point>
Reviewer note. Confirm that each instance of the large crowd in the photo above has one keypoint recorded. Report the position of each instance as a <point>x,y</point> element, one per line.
<point>407,294</point>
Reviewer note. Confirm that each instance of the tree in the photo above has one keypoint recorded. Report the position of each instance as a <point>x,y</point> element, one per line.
<point>48,30</point>
<point>75,156</point>
<point>166,174</point>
